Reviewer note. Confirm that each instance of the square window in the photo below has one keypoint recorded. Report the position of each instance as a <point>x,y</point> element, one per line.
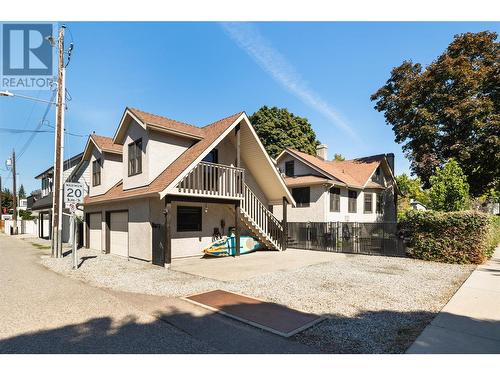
<point>188,219</point>
<point>302,196</point>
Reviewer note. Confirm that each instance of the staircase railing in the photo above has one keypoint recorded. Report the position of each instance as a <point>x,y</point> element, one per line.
<point>262,217</point>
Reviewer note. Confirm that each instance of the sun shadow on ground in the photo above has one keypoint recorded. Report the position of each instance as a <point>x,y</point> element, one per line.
<point>181,332</point>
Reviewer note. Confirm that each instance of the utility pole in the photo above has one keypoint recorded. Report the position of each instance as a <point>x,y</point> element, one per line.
<point>14,192</point>
<point>59,151</point>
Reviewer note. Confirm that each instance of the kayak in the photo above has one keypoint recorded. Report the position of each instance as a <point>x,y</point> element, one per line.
<point>227,246</point>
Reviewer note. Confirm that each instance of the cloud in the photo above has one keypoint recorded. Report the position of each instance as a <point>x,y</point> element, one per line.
<point>248,38</point>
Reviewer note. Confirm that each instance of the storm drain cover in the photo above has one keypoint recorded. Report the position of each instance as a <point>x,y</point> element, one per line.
<point>271,317</point>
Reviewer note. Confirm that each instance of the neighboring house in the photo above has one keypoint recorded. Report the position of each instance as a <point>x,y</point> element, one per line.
<point>177,186</point>
<point>358,190</point>
<point>416,205</point>
<point>41,204</point>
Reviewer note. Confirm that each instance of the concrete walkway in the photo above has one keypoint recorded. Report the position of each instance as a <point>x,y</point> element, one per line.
<point>44,312</point>
<point>470,322</point>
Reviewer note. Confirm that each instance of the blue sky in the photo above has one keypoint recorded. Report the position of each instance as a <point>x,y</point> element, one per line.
<point>200,72</point>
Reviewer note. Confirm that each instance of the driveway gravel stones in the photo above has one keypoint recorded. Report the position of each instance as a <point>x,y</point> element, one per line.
<point>372,304</point>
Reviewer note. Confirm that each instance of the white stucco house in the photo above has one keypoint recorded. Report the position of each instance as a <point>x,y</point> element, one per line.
<point>74,170</point>
<point>359,190</point>
<point>162,189</point>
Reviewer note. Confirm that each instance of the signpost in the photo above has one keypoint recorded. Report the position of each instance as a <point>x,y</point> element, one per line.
<point>73,195</point>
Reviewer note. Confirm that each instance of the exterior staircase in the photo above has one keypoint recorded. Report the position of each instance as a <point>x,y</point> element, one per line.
<point>255,217</point>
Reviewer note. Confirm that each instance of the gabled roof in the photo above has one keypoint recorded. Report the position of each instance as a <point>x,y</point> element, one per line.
<point>211,133</point>
<point>155,122</point>
<point>68,163</point>
<point>354,173</point>
<point>105,144</point>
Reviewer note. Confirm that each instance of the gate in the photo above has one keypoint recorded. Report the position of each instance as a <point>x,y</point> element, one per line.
<point>347,237</point>
<point>158,256</point>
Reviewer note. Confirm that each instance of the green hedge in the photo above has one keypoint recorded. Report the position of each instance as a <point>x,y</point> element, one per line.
<point>452,237</point>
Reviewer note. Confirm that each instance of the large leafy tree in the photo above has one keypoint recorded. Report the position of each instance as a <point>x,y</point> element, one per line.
<point>278,129</point>
<point>450,109</point>
<point>411,188</point>
<point>6,199</point>
<point>449,189</point>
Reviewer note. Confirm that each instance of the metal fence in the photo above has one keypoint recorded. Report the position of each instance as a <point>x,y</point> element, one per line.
<point>347,237</point>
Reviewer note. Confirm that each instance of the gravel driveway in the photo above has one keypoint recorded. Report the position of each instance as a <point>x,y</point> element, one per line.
<point>373,304</point>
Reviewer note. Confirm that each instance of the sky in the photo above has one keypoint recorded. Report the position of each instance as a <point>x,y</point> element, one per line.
<point>201,72</point>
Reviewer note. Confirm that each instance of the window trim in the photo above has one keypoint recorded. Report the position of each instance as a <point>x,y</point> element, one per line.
<point>350,199</point>
<point>292,163</point>
<point>337,198</point>
<point>96,162</point>
<point>366,195</point>
<point>199,226</point>
<point>137,157</point>
<point>302,204</point>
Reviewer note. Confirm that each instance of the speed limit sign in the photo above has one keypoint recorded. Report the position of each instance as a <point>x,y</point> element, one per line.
<point>73,192</point>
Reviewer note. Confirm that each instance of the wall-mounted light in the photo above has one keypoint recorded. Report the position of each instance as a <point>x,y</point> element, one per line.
<point>206,207</point>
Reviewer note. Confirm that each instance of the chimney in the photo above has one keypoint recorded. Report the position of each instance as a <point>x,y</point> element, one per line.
<point>322,152</point>
<point>390,161</point>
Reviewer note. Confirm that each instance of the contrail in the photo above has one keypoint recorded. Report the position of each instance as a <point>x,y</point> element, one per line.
<point>248,38</point>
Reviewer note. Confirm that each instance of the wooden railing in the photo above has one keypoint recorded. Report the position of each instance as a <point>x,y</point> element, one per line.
<point>262,217</point>
<point>213,180</point>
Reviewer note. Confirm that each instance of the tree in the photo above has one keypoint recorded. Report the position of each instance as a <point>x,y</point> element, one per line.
<point>449,189</point>
<point>338,157</point>
<point>22,193</point>
<point>450,109</point>
<point>6,199</point>
<point>411,188</point>
<point>278,129</point>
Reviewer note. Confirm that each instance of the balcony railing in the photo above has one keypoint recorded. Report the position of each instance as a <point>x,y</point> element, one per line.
<point>213,180</point>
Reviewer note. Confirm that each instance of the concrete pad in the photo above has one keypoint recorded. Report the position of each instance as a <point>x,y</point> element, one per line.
<point>272,317</point>
<point>470,321</point>
<point>253,264</point>
<point>436,340</point>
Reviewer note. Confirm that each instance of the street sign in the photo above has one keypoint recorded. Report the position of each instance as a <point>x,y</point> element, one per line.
<point>73,192</point>
<point>72,207</point>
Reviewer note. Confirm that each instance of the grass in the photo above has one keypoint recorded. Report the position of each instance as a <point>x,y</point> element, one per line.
<point>39,246</point>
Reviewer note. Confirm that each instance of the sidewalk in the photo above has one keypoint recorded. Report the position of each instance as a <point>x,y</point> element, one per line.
<point>470,322</point>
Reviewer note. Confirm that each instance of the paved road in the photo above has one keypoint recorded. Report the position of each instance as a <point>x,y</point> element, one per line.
<point>44,312</point>
<point>470,321</point>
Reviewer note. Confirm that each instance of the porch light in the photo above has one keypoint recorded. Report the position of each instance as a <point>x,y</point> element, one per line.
<point>206,207</point>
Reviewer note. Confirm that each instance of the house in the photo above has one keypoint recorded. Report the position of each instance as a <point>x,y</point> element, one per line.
<point>163,189</point>
<point>40,204</point>
<point>358,190</point>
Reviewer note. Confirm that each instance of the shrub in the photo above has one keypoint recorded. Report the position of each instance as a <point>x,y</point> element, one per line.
<point>452,237</point>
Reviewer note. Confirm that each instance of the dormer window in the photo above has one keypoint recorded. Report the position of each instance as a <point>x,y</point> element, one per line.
<point>135,157</point>
<point>289,168</point>
<point>96,172</point>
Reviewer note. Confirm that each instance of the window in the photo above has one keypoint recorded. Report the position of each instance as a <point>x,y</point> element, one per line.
<point>188,219</point>
<point>335,199</point>
<point>353,199</point>
<point>379,204</point>
<point>135,158</point>
<point>302,196</point>
<point>290,168</point>
<point>96,172</point>
<point>368,203</point>
<point>212,156</point>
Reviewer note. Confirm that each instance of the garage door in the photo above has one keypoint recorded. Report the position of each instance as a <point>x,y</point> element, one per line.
<point>95,227</point>
<point>118,233</point>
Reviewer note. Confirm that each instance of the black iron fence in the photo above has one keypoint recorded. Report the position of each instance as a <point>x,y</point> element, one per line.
<point>347,237</point>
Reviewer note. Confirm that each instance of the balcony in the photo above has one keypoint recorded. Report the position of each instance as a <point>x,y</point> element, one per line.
<point>214,181</point>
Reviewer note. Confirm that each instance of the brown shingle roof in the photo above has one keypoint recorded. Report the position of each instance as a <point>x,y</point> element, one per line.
<point>354,172</point>
<point>164,122</point>
<point>305,180</point>
<point>211,132</point>
<point>106,144</point>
